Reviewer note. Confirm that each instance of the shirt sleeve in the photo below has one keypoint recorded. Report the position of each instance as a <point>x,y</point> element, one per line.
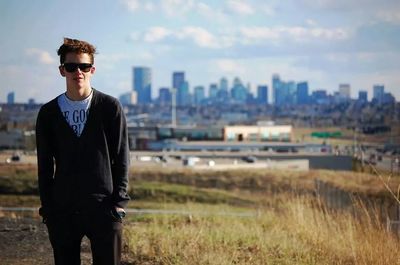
<point>119,157</point>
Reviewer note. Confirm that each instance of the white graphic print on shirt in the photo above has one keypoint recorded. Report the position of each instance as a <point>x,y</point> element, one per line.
<point>75,112</point>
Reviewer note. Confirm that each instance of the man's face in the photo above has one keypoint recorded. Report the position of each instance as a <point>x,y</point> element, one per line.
<point>77,78</point>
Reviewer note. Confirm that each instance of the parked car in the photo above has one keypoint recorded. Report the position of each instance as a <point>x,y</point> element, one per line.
<point>250,159</point>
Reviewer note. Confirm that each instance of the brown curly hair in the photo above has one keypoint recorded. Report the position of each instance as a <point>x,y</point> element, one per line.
<point>77,46</point>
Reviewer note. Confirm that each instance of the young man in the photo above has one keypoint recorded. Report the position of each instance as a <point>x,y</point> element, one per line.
<point>83,160</point>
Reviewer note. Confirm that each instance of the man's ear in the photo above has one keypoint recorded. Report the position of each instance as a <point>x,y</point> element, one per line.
<point>62,70</point>
<point>92,70</point>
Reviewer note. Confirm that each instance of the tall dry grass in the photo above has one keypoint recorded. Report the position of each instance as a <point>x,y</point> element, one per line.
<point>299,231</point>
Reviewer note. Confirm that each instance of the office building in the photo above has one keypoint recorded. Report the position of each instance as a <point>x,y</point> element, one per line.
<point>276,89</point>
<point>199,95</point>
<point>320,97</point>
<point>129,98</point>
<point>302,97</point>
<point>344,92</point>
<point>223,91</point>
<point>11,98</point>
<point>362,96</point>
<point>165,96</point>
<point>142,84</point>
<point>262,94</point>
<point>239,92</point>
<point>182,88</point>
<point>284,93</point>
<point>212,92</point>
<point>378,93</point>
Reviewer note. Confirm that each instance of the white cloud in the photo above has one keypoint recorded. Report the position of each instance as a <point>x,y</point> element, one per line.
<point>240,7</point>
<point>176,7</point>
<point>254,35</point>
<point>268,10</point>
<point>132,5</point>
<point>42,57</point>
<point>276,37</point>
<point>156,34</point>
<point>311,22</point>
<point>200,36</point>
<point>251,34</point>
<point>332,4</point>
<point>139,5</point>
<point>337,57</point>
<point>208,13</point>
<point>41,83</point>
<point>392,16</point>
<point>227,66</point>
<point>149,6</point>
<point>328,34</point>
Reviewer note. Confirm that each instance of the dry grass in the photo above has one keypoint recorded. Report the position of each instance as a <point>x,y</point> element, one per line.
<point>296,233</point>
<point>270,180</point>
<point>287,228</point>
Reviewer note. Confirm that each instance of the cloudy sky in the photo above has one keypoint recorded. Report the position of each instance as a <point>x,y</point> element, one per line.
<point>324,42</point>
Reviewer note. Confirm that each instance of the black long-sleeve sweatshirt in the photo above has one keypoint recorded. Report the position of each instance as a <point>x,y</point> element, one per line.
<point>86,172</point>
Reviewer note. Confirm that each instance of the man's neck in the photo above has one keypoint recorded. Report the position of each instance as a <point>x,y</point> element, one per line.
<point>78,94</point>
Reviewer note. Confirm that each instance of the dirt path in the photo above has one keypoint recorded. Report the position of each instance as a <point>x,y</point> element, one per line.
<point>24,240</point>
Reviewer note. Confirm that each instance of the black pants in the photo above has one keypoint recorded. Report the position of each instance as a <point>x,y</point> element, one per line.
<point>104,232</point>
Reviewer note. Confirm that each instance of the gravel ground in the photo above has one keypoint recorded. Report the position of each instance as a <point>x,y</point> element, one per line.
<point>24,240</point>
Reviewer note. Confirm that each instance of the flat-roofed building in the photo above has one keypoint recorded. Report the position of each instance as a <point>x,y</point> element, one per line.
<point>258,133</point>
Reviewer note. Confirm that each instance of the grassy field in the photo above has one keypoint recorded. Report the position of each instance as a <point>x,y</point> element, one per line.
<point>248,217</point>
<point>304,135</point>
<point>293,232</point>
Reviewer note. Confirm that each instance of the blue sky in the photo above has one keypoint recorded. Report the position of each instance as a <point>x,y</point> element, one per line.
<point>324,42</point>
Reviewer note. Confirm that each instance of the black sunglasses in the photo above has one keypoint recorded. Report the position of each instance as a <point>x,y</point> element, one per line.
<point>72,67</point>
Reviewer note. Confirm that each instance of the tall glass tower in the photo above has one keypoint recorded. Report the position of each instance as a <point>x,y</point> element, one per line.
<point>142,84</point>
<point>302,93</point>
<point>182,88</point>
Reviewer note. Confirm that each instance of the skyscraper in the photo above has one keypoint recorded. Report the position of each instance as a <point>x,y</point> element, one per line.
<point>184,97</point>
<point>379,92</point>
<point>178,78</point>
<point>142,84</point>
<point>290,93</point>
<point>362,96</point>
<point>182,87</point>
<point>302,93</point>
<point>199,95</point>
<point>239,91</point>
<point>11,98</point>
<point>165,96</point>
<point>223,93</point>
<point>212,92</point>
<point>276,85</point>
<point>320,97</point>
<point>262,94</point>
<point>129,98</point>
<point>344,92</point>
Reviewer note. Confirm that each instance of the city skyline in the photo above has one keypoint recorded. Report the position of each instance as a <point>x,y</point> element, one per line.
<point>269,93</point>
<point>323,42</point>
<point>141,78</point>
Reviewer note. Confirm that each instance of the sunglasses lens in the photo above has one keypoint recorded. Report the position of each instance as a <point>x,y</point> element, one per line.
<point>85,67</point>
<point>72,67</point>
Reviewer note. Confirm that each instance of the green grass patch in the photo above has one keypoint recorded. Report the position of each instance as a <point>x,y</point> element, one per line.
<point>179,193</point>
